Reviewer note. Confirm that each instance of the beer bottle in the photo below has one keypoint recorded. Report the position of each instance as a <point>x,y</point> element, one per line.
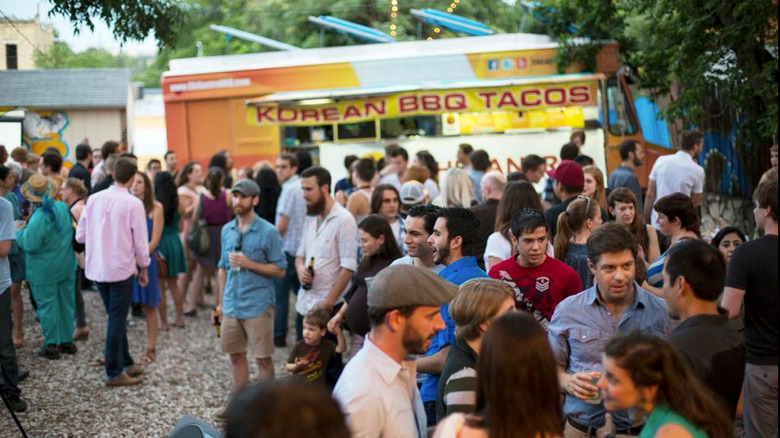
<point>310,268</point>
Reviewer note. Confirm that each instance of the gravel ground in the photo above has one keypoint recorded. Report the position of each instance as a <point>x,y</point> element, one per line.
<point>67,397</point>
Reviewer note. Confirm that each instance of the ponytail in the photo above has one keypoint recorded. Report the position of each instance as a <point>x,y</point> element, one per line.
<point>563,238</point>
<point>572,221</point>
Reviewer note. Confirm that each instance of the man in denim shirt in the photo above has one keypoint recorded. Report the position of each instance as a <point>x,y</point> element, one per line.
<point>252,254</point>
<point>582,324</point>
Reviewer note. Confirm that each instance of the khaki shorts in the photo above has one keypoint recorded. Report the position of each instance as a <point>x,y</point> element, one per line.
<point>258,331</point>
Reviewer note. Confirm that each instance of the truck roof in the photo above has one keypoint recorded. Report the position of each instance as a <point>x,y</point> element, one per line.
<point>364,52</point>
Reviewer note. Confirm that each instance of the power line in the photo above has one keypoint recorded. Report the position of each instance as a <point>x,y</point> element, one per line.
<point>35,47</point>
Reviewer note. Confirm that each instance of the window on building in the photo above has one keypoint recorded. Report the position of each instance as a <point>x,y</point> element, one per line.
<point>11,62</point>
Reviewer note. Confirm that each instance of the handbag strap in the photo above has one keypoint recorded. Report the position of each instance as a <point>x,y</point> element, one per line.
<point>199,215</point>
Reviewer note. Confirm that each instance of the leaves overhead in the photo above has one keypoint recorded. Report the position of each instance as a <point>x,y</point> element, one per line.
<point>684,51</point>
<point>129,19</point>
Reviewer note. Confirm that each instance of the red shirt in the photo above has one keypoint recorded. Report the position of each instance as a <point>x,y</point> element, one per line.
<point>538,290</point>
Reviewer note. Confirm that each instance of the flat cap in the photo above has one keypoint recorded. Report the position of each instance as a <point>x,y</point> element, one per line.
<point>409,286</point>
<point>246,187</point>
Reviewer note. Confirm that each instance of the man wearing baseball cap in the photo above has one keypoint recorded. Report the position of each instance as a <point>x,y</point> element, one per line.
<point>569,182</point>
<point>252,255</point>
<point>377,389</point>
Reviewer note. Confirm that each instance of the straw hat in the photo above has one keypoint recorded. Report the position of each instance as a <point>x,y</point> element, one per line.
<point>37,186</point>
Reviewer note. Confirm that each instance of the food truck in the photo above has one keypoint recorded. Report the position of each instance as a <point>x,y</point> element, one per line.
<point>501,93</point>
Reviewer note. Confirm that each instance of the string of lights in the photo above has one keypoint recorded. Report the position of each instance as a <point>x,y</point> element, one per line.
<point>436,29</point>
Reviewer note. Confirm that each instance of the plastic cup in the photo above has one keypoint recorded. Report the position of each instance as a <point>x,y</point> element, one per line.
<point>596,399</point>
<point>234,268</point>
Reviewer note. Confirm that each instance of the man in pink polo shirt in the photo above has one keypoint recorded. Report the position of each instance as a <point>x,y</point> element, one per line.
<point>113,227</point>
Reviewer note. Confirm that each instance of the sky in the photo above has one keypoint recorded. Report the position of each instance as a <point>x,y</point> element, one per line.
<point>101,37</point>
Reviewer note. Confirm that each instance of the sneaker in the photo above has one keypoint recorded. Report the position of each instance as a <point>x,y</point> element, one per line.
<point>49,352</point>
<point>280,342</point>
<point>69,348</point>
<point>123,380</point>
<point>134,370</point>
<point>16,403</point>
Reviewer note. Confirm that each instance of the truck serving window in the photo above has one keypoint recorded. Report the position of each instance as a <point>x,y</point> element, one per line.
<point>408,126</point>
<point>620,119</point>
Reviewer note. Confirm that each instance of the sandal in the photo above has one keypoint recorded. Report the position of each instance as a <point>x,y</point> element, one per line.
<point>178,324</point>
<point>99,362</point>
<point>149,357</point>
<point>18,343</point>
<point>81,334</point>
<point>165,327</point>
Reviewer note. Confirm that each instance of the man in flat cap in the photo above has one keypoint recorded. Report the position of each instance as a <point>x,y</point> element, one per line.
<point>377,389</point>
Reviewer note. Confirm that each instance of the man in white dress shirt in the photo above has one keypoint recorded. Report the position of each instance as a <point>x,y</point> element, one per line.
<point>677,173</point>
<point>378,390</point>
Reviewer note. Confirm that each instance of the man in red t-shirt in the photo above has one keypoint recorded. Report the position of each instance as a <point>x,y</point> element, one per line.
<point>540,282</point>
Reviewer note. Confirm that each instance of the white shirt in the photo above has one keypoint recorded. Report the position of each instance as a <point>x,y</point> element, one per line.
<point>497,246</point>
<point>292,205</point>
<point>333,246</point>
<point>393,180</point>
<point>409,260</point>
<point>432,188</point>
<point>380,397</point>
<point>676,173</point>
<point>98,173</point>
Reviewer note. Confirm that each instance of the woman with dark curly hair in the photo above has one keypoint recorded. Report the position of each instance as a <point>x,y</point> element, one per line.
<point>645,374</point>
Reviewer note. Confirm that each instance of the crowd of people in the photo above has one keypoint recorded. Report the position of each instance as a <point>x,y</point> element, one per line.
<point>453,303</point>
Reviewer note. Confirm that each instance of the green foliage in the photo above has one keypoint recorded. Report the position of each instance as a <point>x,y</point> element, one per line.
<point>685,51</point>
<point>61,56</point>
<point>286,21</point>
<point>129,19</point>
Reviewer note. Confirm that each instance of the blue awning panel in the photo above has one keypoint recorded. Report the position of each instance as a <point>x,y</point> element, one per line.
<point>359,31</point>
<point>452,22</point>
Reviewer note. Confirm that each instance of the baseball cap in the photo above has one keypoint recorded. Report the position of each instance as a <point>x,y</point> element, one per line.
<point>568,173</point>
<point>409,286</point>
<point>246,187</point>
<point>412,193</point>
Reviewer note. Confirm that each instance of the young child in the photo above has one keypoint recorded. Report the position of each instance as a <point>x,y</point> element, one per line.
<point>309,357</point>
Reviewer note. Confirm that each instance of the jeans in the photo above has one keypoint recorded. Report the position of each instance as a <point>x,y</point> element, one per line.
<point>117,297</point>
<point>8,363</point>
<point>283,286</point>
<point>81,317</point>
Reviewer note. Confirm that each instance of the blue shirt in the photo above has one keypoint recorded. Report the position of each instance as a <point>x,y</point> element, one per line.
<point>458,273</point>
<point>248,293</point>
<point>580,329</point>
<point>7,232</point>
<point>624,176</point>
<point>476,177</point>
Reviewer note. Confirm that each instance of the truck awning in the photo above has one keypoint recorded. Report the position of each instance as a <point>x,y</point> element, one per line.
<point>314,97</point>
<point>361,104</point>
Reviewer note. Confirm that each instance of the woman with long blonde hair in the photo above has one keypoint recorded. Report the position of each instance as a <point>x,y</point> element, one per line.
<point>457,190</point>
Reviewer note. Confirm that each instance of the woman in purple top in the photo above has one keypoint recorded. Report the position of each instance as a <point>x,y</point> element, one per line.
<point>149,295</point>
<point>214,205</point>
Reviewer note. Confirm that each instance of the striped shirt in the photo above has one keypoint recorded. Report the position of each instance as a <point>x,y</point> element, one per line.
<point>655,271</point>
<point>457,390</point>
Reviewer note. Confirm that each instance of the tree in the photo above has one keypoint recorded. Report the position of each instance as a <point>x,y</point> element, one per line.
<point>683,50</point>
<point>129,19</point>
<point>286,21</point>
